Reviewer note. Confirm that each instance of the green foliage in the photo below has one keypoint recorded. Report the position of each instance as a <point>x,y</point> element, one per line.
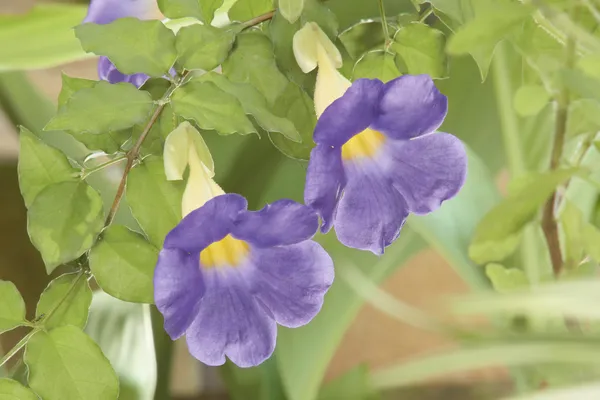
<point>422,50</point>
<point>71,85</point>
<point>208,8</point>
<point>65,301</point>
<point>203,46</point>
<point>244,10</point>
<point>506,280</point>
<point>181,8</point>
<point>377,64</point>
<point>133,45</point>
<point>102,108</point>
<point>584,117</point>
<point>530,100</point>
<point>123,263</point>
<point>154,201</point>
<point>353,385</point>
<point>581,84</point>
<point>291,9</point>
<point>12,312</point>
<point>65,364</point>
<point>13,390</point>
<point>362,37</point>
<point>63,221</point>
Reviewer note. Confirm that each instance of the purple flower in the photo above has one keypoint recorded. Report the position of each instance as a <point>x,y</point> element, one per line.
<point>105,12</point>
<point>378,159</point>
<point>227,276</point>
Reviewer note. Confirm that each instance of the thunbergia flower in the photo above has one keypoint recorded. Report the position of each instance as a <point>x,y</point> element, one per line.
<point>105,12</point>
<point>377,156</point>
<point>227,276</point>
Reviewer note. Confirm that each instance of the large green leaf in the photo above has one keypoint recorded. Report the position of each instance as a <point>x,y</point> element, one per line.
<point>123,263</point>
<point>63,221</point>
<point>291,9</point>
<point>68,298</point>
<point>181,9</point>
<point>65,364</point>
<point>13,390</point>
<point>244,10</point>
<point>12,312</point>
<point>422,50</point>
<point>377,64</point>
<point>42,38</point>
<point>203,46</point>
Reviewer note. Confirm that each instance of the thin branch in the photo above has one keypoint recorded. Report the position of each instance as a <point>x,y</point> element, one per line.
<point>11,353</point>
<point>257,20</point>
<point>100,167</point>
<point>384,25</point>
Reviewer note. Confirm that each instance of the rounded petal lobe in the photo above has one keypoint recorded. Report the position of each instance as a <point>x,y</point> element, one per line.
<point>283,222</point>
<point>371,212</point>
<point>106,11</point>
<point>426,170</point>
<point>230,323</point>
<point>207,224</point>
<point>325,180</point>
<point>350,114</point>
<point>178,288</point>
<point>291,281</point>
<point>410,106</point>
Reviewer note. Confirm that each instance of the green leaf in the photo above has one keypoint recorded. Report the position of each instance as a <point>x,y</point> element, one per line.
<point>591,238</point>
<point>123,263</point>
<point>124,333</point>
<point>203,46</point>
<point>590,65</point>
<point>12,312</point>
<point>377,64</point>
<point>296,106</point>
<point>252,61</point>
<point>154,201</point>
<point>571,221</point>
<point>70,85</point>
<point>506,280</point>
<point>582,84</point>
<point>584,117</point>
<point>133,45</point>
<point>244,10</point>
<point>41,38</point>
<point>174,9</point>
<point>13,390</point>
<point>530,100</point>
<point>254,104</point>
<point>105,107</point>
<point>353,385</point>
<point>40,166</point>
<point>65,364</point>
<point>291,9</point>
<point>63,221</point>
<point>211,108</point>
<point>209,7</point>
<point>68,298</point>
<point>506,219</point>
<point>362,37</point>
<point>422,50</point>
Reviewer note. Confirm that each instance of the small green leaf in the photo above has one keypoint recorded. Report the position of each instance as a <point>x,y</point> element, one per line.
<point>155,202</point>
<point>506,280</point>
<point>211,108</point>
<point>203,46</point>
<point>13,390</point>
<point>503,222</point>
<point>377,64</point>
<point>291,9</point>
<point>571,221</point>
<point>591,238</point>
<point>65,364</point>
<point>63,221</point>
<point>174,9</point>
<point>244,10</point>
<point>530,100</point>
<point>584,117</point>
<point>68,298</point>
<point>123,263</point>
<point>105,107</point>
<point>252,61</point>
<point>12,312</point>
<point>296,106</point>
<point>40,166</point>
<point>208,8</point>
<point>70,85</point>
<point>422,50</point>
<point>133,45</point>
<point>353,385</point>
<point>254,104</point>
<point>581,84</point>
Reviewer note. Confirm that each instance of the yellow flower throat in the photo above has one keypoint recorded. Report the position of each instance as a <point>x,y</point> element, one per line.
<point>228,251</point>
<point>364,144</point>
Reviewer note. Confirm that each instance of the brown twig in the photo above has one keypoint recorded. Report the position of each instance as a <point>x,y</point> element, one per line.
<point>257,20</point>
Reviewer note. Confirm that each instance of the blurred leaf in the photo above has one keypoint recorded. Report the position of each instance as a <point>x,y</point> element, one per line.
<point>377,64</point>
<point>211,108</point>
<point>254,104</point>
<point>123,264</point>
<point>105,107</point>
<point>174,9</point>
<point>252,61</point>
<point>13,390</point>
<point>244,10</point>
<point>571,221</point>
<point>581,84</point>
<point>583,391</point>
<point>590,65</point>
<point>42,38</point>
<point>40,166</point>
<point>203,46</point>
<point>422,50</point>
<point>154,201</point>
<point>124,333</point>
<point>591,238</point>
<point>12,312</point>
<point>530,100</point>
<point>209,7</point>
<point>506,280</point>
<point>291,9</point>
<point>362,37</point>
<point>63,221</point>
<point>353,385</point>
<point>584,117</point>
<point>68,297</point>
<point>65,364</point>
<point>133,45</point>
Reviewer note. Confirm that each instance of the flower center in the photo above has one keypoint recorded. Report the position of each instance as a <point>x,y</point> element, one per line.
<point>364,144</point>
<point>226,252</point>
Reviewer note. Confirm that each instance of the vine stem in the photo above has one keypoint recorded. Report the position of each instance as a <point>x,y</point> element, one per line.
<point>257,20</point>
<point>18,346</point>
<point>100,167</point>
<point>384,25</point>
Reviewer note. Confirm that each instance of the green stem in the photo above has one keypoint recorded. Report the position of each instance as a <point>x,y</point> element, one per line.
<point>426,15</point>
<point>18,346</point>
<point>100,167</point>
<point>384,25</point>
